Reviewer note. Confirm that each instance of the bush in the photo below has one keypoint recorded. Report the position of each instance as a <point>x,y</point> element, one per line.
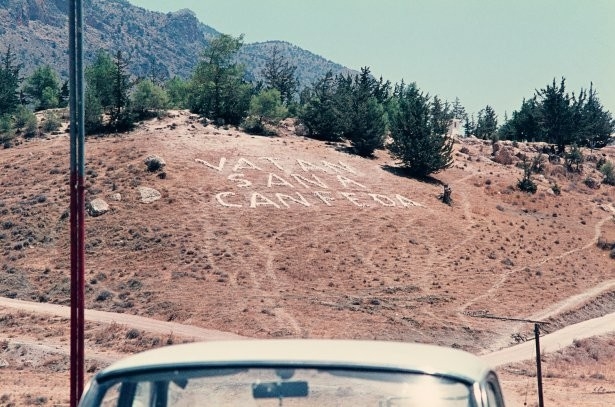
<point>591,183</point>
<point>149,99</point>
<point>252,125</point>
<point>104,295</point>
<point>526,184</point>
<point>574,159</point>
<point>7,133</point>
<point>608,171</point>
<point>31,127</point>
<point>556,189</point>
<point>51,122</point>
<point>22,116</point>
<point>538,164</point>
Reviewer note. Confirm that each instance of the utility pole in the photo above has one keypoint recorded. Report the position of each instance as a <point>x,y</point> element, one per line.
<point>541,402</point>
<point>537,341</point>
<point>77,199</point>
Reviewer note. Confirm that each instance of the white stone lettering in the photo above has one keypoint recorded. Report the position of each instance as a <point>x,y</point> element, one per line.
<point>325,196</point>
<point>347,181</point>
<point>277,181</point>
<point>261,200</point>
<point>220,198</point>
<point>283,198</point>
<point>406,202</point>
<point>308,166</point>
<point>383,200</point>
<point>241,182</point>
<point>242,163</point>
<point>217,168</point>
<point>338,167</point>
<point>351,197</point>
<point>304,181</point>
<point>273,161</point>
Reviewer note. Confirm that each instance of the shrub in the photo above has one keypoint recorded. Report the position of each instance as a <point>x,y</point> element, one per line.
<point>22,116</point>
<point>31,127</point>
<point>252,125</point>
<point>608,171</point>
<point>104,295</point>
<point>133,334</point>
<point>591,183</point>
<point>7,133</point>
<point>538,164</point>
<point>526,184</point>
<point>556,189</point>
<point>51,122</point>
<point>574,159</point>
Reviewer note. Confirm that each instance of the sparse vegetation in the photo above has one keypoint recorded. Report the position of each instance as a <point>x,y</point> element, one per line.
<point>51,122</point>
<point>608,171</point>
<point>526,184</point>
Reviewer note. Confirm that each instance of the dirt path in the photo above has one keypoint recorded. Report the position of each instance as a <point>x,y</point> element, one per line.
<point>559,307</point>
<point>549,343</point>
<point>133,321</point>
<point>553,341</point>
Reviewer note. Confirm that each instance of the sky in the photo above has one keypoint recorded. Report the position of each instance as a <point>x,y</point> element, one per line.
<point>485,52</point>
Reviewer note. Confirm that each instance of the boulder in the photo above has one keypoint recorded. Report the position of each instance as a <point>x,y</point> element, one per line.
<point>149,195</point>
<point>97,207</point>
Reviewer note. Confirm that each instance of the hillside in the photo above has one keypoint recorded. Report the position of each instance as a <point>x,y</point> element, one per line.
<point>290,237</point>
<point>169,44</point>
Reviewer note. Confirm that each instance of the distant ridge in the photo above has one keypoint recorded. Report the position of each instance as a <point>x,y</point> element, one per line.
<point>167,43</point>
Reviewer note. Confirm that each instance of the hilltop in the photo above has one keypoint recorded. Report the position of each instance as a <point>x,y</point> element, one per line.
<point>168,44</point>
<point>291,237</point>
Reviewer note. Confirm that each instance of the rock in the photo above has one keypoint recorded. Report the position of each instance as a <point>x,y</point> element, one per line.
<point>149,195</point>
<point>154,163</point>
<point>98,207</point>
<point>116,197</point>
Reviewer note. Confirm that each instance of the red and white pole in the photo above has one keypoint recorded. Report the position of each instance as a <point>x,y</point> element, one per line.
<point>77,200</point>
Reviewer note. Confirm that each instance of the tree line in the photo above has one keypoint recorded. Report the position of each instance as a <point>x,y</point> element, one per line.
<point>367,113</point>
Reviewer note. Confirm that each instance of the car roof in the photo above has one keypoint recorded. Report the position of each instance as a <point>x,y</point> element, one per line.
<point>333,353</point>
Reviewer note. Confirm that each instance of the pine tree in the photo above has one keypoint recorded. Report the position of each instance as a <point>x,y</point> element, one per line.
<point>99,79</point>
<point>9,82</point>
<point>121,117</point>
<point>487,124</point>
<point>457,110</point>
<point>469,126</point>
<point>43,87</point>
<point>555,114</point>
<point>366,124</point>
<point>279,74</point>
<point>217,88</point>
<point>595,124</point>
<point>417,141</point>
<point>321,114</point>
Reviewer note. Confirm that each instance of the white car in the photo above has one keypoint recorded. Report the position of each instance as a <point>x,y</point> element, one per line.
<point>296,372</point>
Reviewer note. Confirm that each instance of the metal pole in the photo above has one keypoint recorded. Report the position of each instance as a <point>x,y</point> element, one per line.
<point>77,204</point>
<point>538,364</point>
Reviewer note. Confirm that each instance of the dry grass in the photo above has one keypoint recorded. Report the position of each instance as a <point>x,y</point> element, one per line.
<point>580,375</point>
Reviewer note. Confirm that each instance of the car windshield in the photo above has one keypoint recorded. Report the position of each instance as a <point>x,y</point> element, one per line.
<point>280,387</point>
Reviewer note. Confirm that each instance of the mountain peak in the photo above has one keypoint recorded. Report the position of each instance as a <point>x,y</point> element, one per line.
<point>168,43</point>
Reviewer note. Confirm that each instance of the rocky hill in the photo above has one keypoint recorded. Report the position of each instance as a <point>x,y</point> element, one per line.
<point>168,43</point>
<point>291,237</point>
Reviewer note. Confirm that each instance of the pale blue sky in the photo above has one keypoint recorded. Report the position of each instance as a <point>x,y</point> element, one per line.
<point>492,52</point>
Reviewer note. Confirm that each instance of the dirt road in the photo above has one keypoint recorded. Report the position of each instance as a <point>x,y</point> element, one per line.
<point>553,341</point>
<point>549,343</point>
<point>132,321</point>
